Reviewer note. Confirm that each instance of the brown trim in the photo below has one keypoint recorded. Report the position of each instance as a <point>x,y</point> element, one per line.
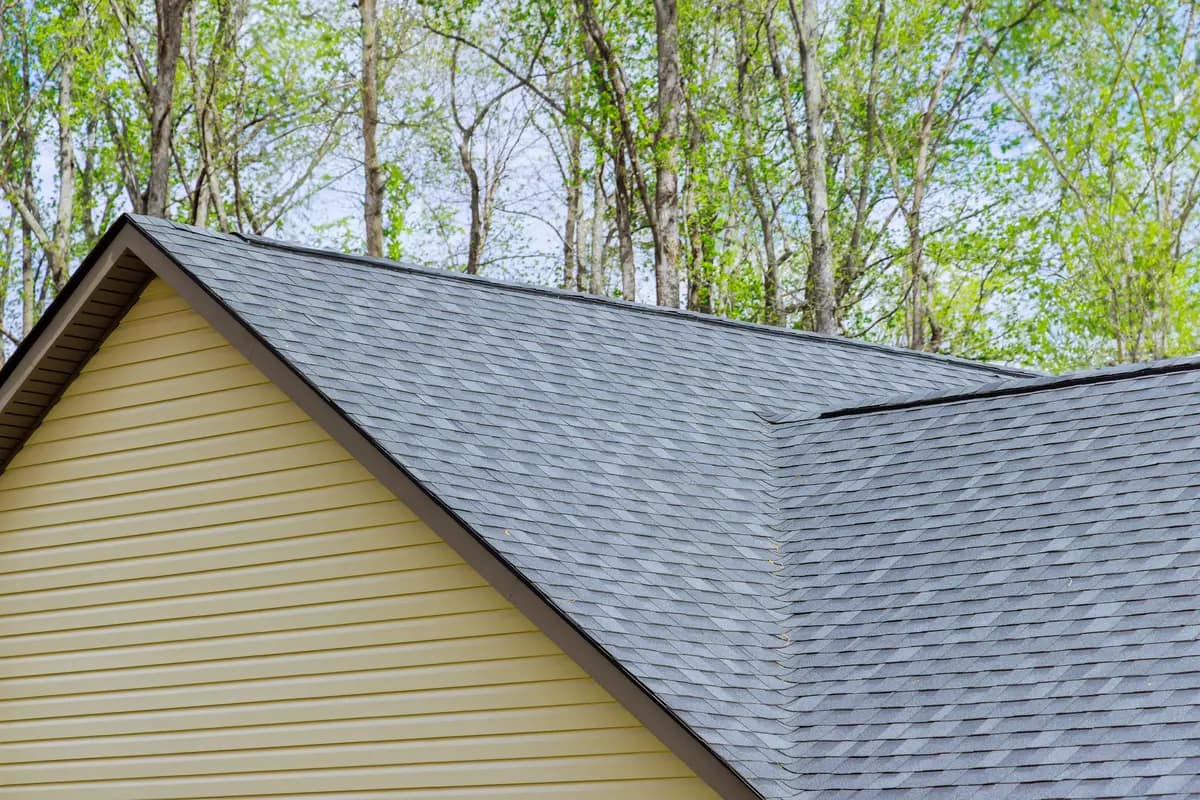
<point>91,304</point>
<point>473,549</point>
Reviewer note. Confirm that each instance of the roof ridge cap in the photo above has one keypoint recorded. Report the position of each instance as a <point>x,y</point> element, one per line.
<point>676,313</point>
<point>1018,386</point>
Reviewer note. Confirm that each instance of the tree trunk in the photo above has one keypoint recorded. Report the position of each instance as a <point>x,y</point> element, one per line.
<point>26,279</point>
<point>695,258</point>
<point>476,233</point>
<point>583,272</point>
<point>624,220</point>
<point>700,218</point>
<point>854,263</point>
<point>58,256</point>
<point>772,301</point>
<point>27,307</point>
<point>599,230</point>
<point>25,136</point>
<point>200,193</point>
<point>666,171</point>
<point>206,196</point>
<point>372,172</point>
<point>610,81</point>
<point>87,180</point>
<point>915,323</point>
<point>820,268</point>
<point>570,266</point>
<point>169,43</point>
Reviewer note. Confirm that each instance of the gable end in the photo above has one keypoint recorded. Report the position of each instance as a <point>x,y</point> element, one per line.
<point>131,257</point>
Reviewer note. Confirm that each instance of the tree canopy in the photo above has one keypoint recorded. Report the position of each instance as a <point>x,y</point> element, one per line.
<point>1011,180</point>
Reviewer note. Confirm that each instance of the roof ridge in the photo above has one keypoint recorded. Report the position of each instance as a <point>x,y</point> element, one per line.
<point>1020,386</point>
<point>677,313</point>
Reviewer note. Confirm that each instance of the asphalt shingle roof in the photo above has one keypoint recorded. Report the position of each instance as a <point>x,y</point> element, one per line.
<point>983,585</point>
<point>997,596</point>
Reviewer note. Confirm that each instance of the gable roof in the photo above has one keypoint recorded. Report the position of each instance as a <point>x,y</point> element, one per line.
<point>734,517</point>
<point>615,455</point>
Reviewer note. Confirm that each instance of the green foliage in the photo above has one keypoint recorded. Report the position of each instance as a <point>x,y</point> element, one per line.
<point>1027,171</point>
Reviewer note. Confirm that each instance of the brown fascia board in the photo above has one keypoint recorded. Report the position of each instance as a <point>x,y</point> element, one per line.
<point>85,311</point>
<point>132,257</point>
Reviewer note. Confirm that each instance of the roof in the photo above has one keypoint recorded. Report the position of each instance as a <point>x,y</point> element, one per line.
<point>845,568</point>
<point>615,454</point>
<point>995,594</point>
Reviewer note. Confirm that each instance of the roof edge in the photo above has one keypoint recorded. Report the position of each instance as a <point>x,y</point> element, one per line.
<point>62,299</point>
<point>563,294</point>
<point>93,301</point>
<point>606,670</point>
<point>1028,386</point>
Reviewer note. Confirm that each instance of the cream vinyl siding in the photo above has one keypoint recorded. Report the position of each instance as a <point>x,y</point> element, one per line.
<point>202,595</point>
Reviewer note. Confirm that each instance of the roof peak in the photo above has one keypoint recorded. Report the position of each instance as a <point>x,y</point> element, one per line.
<point>1021,386</point>
<point>517,286</point>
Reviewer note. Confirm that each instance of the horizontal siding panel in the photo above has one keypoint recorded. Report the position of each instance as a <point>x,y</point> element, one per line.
<point>108,486</point>
<point>266,435</point>
<point>339,496</point>
<point>289,687</point>
<point>531,698</point>
<point>416,776</point>
<point>157,368</point>
<point>156,305</point>
<point>266,553</point>
<point>355,587</point>
<point>141,416</point>
<point>235,666</point>
<point>202,596</point>
<point>378,728</point>
<point>155,326</point>
<point>437,634</point>
<point>363,515</point>
<point>180,349</point>
<point>429,605</point>
<point>151,392</point>
<point>448,749</point>
<point>183,497</point>
<point>301,570</point>
<point>659,789</point>
<point>47,455</point>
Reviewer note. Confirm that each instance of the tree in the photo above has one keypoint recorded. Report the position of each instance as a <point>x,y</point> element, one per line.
<point>372,171</point>
<point>667,146</point>
<point>820,272</point>
<point>1016,179</point>
<point>168,46</point>
<point>1112,109</point>
<point>53,100</point>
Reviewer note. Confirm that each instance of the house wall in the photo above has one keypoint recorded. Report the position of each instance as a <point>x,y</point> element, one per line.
<point>202,595</point>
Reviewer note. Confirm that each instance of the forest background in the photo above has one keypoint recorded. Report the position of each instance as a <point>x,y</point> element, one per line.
<point>1009,180</point>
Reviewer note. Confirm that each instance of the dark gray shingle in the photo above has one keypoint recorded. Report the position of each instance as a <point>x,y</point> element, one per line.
<point>617,456</point>
<point>997,596</point>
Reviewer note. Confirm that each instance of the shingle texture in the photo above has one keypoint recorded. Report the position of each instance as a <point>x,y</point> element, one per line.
<point>998,596</point>
<point>853,572</point>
